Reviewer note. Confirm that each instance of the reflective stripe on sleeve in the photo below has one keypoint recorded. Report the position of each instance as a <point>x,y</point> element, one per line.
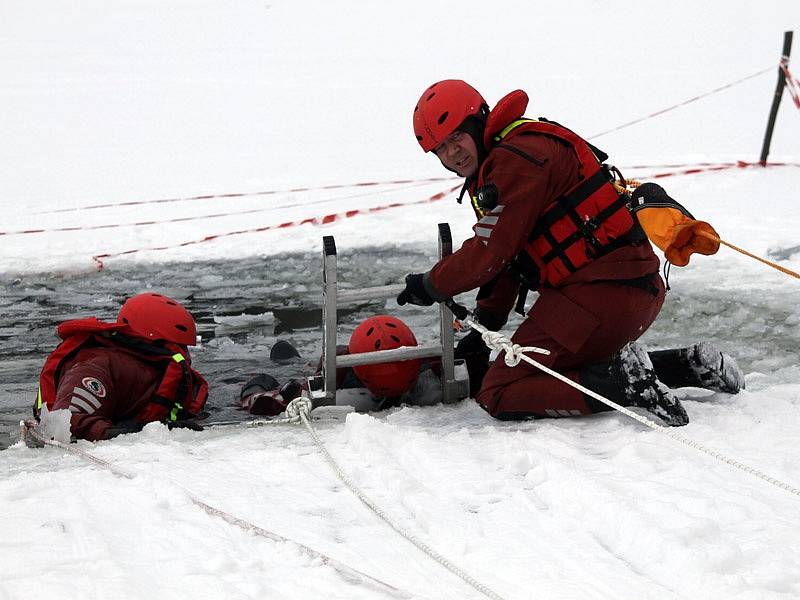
<point>81,404</point>
<point>88,396</point>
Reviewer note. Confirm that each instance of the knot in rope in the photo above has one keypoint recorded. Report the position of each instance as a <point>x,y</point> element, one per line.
<point>513,352</point>
<point>298,408</point>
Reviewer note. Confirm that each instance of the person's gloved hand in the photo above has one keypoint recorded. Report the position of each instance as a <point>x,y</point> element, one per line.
<point>291,390</point>
<point>415,292</point>
<point>185,424</point>
<point>123,427</point>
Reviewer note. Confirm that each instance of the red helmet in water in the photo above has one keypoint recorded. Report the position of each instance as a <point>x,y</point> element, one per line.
<point>442,108</point>
<point>383,332</point>
<point>155,317</point>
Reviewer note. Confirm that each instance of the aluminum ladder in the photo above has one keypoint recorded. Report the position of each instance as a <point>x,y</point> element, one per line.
<point>323,387</point>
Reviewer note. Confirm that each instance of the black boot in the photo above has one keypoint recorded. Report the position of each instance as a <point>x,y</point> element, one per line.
<point>262,382</point>
<point>629,380</point>
<point>701,365</point>
<point>475,354</point>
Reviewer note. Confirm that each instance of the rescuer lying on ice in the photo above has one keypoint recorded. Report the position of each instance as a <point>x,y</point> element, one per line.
<point>551,219</point>
<point>365,387</point>
<point>116,377</point>
<point>370,388</point>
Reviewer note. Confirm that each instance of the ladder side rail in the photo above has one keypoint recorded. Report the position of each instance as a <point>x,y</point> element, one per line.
<point>329,330</point>
<point>446,337</point>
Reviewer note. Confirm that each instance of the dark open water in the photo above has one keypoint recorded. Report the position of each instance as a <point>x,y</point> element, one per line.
<point>243,307</point>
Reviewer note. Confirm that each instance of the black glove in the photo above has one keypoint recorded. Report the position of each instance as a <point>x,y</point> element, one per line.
<point>185,424</point>
<point>415,292</point>
<point>123,427</point>
<point>291,390</point>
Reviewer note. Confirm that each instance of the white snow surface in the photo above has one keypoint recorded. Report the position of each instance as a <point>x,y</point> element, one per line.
<point>113,102</point>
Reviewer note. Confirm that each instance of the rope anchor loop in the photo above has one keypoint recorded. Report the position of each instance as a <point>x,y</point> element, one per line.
<point>297,409</point>
<point>514,353</point>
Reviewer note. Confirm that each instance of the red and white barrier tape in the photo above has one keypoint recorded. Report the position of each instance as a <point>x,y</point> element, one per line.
<point>791,83</point>
<point>324,220</point>
<point>193,217</point>
<point>686,169</point>
<point>337,186</point>
<point>720,167</point>
<point>684,103</point>
<point>677,166</point>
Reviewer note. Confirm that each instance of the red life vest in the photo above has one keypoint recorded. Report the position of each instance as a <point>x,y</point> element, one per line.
<point>589,220</point>
<point>181,387</point>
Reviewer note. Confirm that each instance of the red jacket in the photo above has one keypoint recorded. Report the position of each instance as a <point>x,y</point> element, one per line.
<point>104,377</point>
<point>103,386</point>
<point>525,188</point>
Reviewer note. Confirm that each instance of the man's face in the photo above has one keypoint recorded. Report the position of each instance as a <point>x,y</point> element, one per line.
<point>458,153</point>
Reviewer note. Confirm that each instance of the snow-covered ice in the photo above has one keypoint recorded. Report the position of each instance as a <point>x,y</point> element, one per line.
<point>134,100</point>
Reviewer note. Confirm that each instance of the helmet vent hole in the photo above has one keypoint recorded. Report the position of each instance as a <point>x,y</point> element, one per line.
<point>443,118</point>
<point>419,138</point>
<point>390,324</point>
<point>377,344</point>
<point>395,338</point>
<point>428,99</point>
<point>171,303</point>
<point>181,327</point>
<point>370,330</point>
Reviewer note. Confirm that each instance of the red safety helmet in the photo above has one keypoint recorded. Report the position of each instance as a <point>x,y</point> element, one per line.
<point>442,108</point>
<point>155,317</point>
<point>383,332</point>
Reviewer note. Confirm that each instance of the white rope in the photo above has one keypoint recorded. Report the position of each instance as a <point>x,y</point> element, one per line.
<point>513,352</point>
<point>303,412</point>
<point>349,574</point>
<point>492,339</point>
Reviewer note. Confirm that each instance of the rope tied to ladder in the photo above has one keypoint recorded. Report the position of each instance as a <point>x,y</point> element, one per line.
<point>297,409</point>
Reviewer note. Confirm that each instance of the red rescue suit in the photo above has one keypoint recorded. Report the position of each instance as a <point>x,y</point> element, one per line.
<point>583,315</point>
<point>104,378</point>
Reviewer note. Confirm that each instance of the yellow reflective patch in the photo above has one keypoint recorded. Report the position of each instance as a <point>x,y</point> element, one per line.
<point>478,210</point>
<point>511,126</point>
<point>178,357</point>
<point>173,415</point>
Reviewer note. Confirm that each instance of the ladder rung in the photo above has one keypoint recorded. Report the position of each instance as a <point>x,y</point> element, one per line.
<point>382,356</point>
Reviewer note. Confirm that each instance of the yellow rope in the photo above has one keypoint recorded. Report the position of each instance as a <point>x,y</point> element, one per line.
<point>746,253</point>
<point>632,184</point>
